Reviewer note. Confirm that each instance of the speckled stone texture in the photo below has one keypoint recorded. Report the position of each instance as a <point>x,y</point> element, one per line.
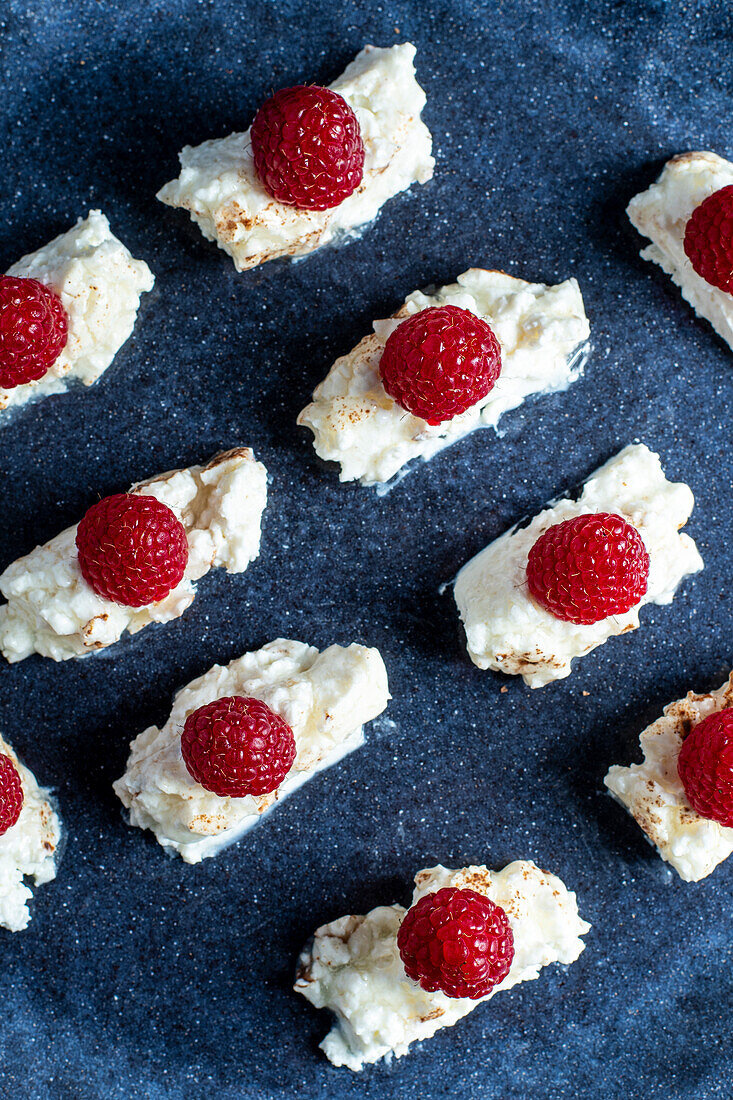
<point>142,977</point>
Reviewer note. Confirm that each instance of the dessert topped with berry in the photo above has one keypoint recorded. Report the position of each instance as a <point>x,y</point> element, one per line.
<point>242,737</point>
<point>445,364</point>
<point>579,572</point>
<point>66,310</point>
<point>396,976</point>
<point>133,559</point>
<point>30,834</point>
<point>316,164</point>
<point>682,793</point>
<point>688,216</point>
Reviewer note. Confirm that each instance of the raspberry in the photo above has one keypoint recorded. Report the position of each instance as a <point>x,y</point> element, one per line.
<point>709,239</point>
<point>11,794</point>
<point>132,549</point>
<point>33,330</point>
<point>705,766</point>
<point>237,746</point>
<point>307,147</point>
<point>456,941</point>
<point>588,568</point>
<point>440,362</point>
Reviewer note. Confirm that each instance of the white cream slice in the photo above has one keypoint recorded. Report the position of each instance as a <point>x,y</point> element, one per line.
<point>542,331</point>
<point>508,631</point>
<point>324,697</point>
<point>220,189</point>
<point>662,212</point>
<point>52,610</point>
<point>28,850</point>
<point>653,794</point>
<point>354,969</point>
<point>99,284</point>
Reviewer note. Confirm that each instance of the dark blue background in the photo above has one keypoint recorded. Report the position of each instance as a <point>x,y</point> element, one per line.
<point>142,977</point>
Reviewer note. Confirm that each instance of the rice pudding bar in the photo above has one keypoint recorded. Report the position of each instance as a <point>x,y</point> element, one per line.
<point>654,795</point>
<point>353,965</point>
<point>54,611</point>
<point>542,332</point>
<point>325,698</point>
<point>224,195</point>
<point>509,631</point>
<point>662,212</point>
<point>28,849</point>
<point>99,284</point>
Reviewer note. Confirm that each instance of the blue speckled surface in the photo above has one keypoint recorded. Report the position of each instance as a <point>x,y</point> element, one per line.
<point>142,977</point>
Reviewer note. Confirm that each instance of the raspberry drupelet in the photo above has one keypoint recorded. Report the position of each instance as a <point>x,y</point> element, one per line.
<point>132,549</point>
<point>237,746</point>
<point>307,147</point>
<point>11,794</point>
<point>705,767</point>
<point>457,941</point>
<point>709,239</point>
<point>33,330</point>
<point>588,568</point>
<point>439,362</point>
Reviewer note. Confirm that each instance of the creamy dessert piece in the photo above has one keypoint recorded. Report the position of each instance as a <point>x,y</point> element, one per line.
<point>28,850</point>
<point>99,284</point>
<point>653,793</point>
<point>52,610</point>
<point>325,697</point>
<point>661,213</point>
<point>542,331</point>
<point>508,631</point>
<point>353,966</point>
<point>220,189</point>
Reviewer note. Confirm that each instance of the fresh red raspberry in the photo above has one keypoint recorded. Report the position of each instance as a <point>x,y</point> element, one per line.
<point>457,941</point>
<point>709,239</point>
<point>11,794</point>
<point>588,568</point>
<point>237,746</point>
<point>132,549</point>
<point>33,330</point>
<point>705,766</point>
<point>307,147</point>
<point>440,362</point>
